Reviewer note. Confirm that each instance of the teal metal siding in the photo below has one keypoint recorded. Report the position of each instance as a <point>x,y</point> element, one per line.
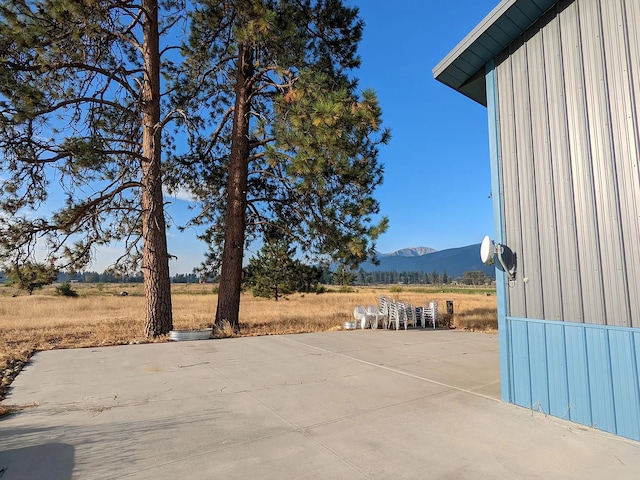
<point>601,391</point>
<point>521,364</point>
<point>540,366</point>
<point>579,404</point>
<point>557,371</point>
<point>625,393</point>
<point>584,373</point>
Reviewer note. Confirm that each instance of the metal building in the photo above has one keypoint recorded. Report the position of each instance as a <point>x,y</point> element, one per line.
<point>561,82</point>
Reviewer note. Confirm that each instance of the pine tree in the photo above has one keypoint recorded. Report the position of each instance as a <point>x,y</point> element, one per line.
<point>80,108</point>
<point>291,144</point>
<point>31,276</point>
<point>270,273</point>
<point>343,275</point>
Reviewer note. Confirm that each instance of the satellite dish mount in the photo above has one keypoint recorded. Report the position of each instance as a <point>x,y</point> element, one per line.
<point>489,251</point>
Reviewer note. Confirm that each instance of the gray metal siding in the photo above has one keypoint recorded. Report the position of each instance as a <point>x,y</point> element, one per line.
<point>509,168</point>
<point>566,268</point>
<point>569,138</point>
<point>584,216</point>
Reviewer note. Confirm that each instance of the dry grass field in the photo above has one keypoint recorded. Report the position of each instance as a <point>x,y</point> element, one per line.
<point>99,316</point>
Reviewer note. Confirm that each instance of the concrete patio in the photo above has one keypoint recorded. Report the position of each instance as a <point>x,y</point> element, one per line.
<point>419,404</point>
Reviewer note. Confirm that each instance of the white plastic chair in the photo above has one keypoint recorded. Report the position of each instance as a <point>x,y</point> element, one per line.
<point>383,310</point>
<point>402,315</point>
<point>397,315</point>
<point>411,315</point>
<point>430,314</point>
<point>375,316</point>
<point>360,314</point>
<point>393,315</point>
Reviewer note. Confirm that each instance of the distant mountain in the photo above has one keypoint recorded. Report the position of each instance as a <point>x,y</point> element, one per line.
<point>455,261</point>
<point>409,252</point>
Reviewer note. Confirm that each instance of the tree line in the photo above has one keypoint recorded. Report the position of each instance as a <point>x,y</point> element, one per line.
<point>270,274</point>
<point>408,277</point>
<point>474,277</point>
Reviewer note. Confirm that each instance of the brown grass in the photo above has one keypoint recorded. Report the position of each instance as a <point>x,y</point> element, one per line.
<point>99,316</point>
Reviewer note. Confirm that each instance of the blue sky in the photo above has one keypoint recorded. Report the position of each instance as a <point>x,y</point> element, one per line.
<point>437,179</point>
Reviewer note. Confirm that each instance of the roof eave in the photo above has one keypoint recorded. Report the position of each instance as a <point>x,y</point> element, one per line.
<point>463,68</point>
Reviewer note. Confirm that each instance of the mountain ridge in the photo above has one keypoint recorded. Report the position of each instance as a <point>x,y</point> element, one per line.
<point>409,252</point>
<point>455,261</point>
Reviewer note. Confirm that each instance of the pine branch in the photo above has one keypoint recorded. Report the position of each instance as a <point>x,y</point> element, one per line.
<point>57,66</point>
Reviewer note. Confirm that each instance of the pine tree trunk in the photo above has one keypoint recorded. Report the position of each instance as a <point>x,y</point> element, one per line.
<point>155,258</point>
<point>232,253</point>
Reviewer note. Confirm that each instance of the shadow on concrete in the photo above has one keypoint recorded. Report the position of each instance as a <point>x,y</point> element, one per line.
<point>53,461</point>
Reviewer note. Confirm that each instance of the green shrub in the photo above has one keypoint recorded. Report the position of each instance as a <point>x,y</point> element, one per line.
<point>345,289</point>
<point>65,290</point>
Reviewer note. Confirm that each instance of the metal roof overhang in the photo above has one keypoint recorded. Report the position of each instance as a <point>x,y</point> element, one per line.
<point>463,69</point>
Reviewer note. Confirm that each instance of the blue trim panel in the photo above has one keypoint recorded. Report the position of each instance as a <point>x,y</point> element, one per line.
<point>540,371</point>
<point>519,348</point>
<point>585,373</point>
<point>579,405</point>
<point>557,368</point>
<point>498,218</point>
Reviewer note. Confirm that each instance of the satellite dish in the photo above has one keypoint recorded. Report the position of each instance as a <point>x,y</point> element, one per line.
<point>487,251</point>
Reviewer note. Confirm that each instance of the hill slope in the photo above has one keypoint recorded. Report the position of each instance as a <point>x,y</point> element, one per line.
<point>455,261</point>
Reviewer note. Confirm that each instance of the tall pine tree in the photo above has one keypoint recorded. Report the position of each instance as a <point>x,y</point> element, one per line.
<point>292,144</point>
<point>81,114</point>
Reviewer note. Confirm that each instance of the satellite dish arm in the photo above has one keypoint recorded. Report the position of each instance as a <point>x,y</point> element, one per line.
<point>511,269</point>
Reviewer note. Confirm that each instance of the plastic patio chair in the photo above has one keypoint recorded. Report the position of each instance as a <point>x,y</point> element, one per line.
<point>420,319</point>
<point>397,315</point>
<point>430,315</point>
<point>360,314</point>
<point>411,315</point>
<point>402,315</point>
<point>375,316</point>
<point>393,315</point>
<point>383,309</point>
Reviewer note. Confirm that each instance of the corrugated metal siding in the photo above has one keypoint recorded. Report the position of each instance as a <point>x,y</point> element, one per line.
<point>561,172</point>
<point>624,138</point>
<point>570,143</point>
<point>512,236</point>
<point>584,216</point>
<point>584,373</point>
<point>628,173</point>
<point>566,271</point>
